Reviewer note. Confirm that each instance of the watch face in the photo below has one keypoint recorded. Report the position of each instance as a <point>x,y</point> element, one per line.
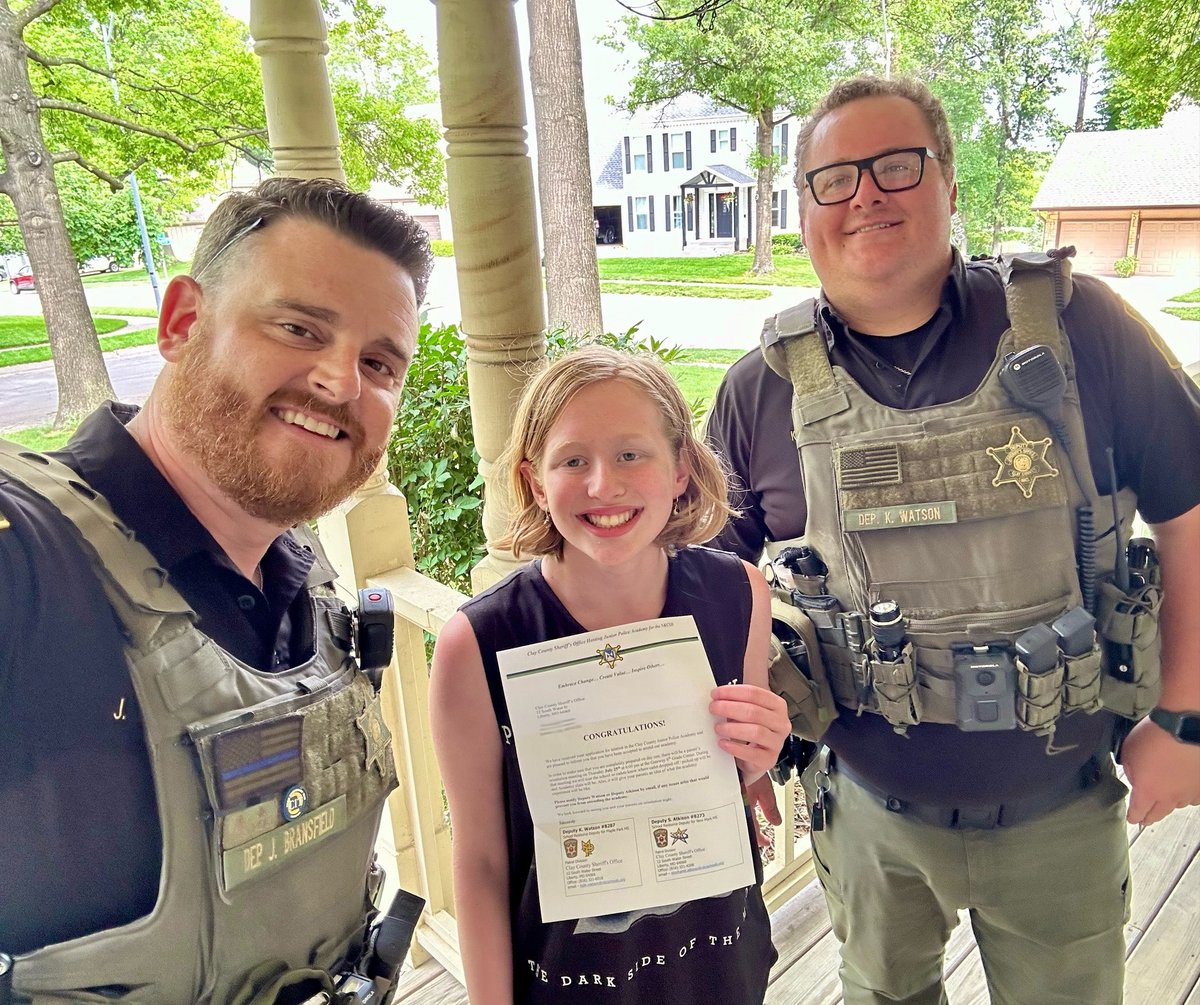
<point>1189,728</point>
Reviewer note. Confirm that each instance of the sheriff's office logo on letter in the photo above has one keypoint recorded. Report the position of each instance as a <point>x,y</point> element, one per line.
<point>610,655</point>
<point>571,847</point>
<point>1022,462</point>
<point>661,836</point>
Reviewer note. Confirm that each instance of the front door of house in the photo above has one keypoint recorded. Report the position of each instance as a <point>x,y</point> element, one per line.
<point>725,214</point>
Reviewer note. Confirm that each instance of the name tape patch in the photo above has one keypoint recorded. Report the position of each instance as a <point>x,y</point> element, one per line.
<point>267,853</point>
<point>890,517</point>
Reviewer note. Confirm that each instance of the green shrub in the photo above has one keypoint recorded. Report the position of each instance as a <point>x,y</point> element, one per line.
<point>786,244</point>
<point>1125,267</point>
<point>442,249</point>
<point>432,457</point>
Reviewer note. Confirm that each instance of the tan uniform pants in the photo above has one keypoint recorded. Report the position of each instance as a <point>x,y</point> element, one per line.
<point>1048,899</point>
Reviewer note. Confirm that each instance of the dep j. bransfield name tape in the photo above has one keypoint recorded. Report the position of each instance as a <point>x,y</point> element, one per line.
<point>269,851</point>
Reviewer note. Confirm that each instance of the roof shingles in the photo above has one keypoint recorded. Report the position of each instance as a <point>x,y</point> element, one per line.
<point>1125,168</point>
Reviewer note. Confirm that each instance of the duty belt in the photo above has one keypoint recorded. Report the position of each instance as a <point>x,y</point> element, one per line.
<point>986,817</point>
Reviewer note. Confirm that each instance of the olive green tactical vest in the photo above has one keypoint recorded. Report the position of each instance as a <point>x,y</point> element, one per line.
<point>269,788</point>
<point>963,513</point>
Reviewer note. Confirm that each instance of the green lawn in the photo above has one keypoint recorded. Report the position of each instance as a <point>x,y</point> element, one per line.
<point>40,437</point>
<point>1187,313</point>
<point>686,290</point>
<point>134,275</point>
<point>127,312</point>
<point>40,353</point>
<point>790,270</point>
<point>700,371</point>
<point>1188,298</point>
<point>19,330</point>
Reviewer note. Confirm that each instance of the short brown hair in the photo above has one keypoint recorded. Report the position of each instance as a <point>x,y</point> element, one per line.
<point>701,510</point>
<point>353,214</point>
<point>867,86</point>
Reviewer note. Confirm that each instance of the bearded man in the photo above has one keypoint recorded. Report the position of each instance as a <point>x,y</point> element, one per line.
<point>192,767</point>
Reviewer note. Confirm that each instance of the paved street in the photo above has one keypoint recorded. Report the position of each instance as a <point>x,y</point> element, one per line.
<point>28,396</point>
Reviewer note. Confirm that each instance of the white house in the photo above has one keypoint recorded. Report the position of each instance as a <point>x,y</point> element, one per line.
<point>679,181</point>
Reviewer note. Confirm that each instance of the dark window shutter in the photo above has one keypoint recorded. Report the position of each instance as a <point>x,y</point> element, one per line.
<point>688,138</point>
<point>712,141</point>
<point>650,203</point>
<point>667,211</point>
<point>649,155</point>
<point>631,226</point>
<point>783,209</point>
<point>733,138</point>
<point>666,151</point>
<point>784,152</point>
<point>628,162</point>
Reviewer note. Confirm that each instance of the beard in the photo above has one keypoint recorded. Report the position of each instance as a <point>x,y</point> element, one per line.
<point>218,424</point>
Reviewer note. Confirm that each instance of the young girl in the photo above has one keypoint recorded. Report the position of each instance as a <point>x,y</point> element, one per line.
<point>611,487</point>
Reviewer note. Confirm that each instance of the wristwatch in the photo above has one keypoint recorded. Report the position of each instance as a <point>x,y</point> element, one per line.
<point>1184,726</point>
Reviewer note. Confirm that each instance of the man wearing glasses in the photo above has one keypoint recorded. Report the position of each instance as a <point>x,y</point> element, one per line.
<point>963,770</point>
<point>192,765</point>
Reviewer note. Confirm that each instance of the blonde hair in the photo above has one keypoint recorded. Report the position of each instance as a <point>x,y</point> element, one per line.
<point>700,512</point>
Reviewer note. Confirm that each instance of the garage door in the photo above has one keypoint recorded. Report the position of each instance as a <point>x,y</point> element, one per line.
<point>1169,248</point>
<point>1098,243</point>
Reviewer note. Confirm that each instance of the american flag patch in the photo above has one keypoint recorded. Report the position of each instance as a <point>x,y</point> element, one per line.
<point>258,760</point>
<point>861,467</point>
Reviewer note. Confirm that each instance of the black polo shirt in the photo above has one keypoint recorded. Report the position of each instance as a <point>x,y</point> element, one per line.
<point>1132,399</point>
<point>80,845</point>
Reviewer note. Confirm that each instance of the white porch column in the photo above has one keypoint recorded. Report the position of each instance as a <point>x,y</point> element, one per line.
<point>290,41</point>
<point>491,193</point>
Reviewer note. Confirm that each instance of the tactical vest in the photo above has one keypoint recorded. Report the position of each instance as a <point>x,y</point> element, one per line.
<point>269,789</point>
<point>968,515</point>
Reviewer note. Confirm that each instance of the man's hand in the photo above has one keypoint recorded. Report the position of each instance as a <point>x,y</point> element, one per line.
<point>755,725</point>
<point>1163,774</point>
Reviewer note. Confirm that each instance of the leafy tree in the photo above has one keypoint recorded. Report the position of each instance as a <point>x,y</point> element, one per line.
<point>767,58</point>
<point>993,64</point>
<point>376,74</point>
<point>1153,53</point>
<point>190,94</point>
<point>1081,40</point>
<point>101,221</point>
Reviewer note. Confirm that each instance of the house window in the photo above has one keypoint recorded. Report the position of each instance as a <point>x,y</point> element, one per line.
<point>641,212</point>
<point>777,143</point>
<point>678,151</point>
<point>722,139</point>
<point>639,162</point>
<point>676,212</point>
<point>775,207</point>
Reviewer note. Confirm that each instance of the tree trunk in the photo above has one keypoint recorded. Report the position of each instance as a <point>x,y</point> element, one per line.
<point>764,126</point>
<point>1083,91</point>
<point>28,180</point>
<point>564,171</point>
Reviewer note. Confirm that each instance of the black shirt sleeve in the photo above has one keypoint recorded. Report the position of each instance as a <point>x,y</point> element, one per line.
<point>760,456</point>
<point>1135,398</point>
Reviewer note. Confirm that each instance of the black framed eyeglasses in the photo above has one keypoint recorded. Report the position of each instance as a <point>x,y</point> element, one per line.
<point>233,239</point>
<point>895,171</point>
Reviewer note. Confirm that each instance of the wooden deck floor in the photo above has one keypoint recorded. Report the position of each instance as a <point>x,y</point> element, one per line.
<point>1162,938</point>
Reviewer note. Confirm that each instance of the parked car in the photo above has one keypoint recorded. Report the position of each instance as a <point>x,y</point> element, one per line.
<point>101,263</point>
<point>22,279</point>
